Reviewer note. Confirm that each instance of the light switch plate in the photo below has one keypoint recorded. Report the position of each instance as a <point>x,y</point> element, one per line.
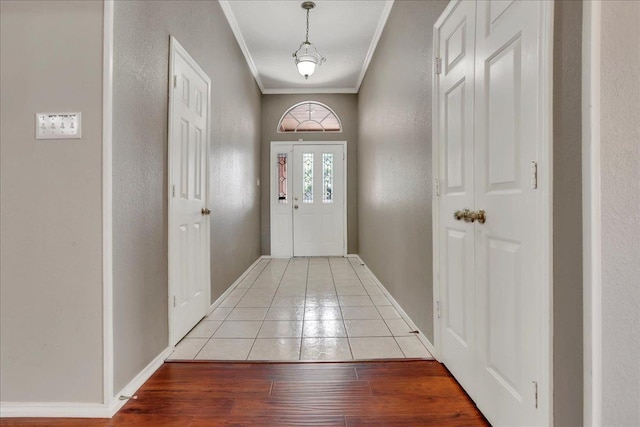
<point>58,125</point>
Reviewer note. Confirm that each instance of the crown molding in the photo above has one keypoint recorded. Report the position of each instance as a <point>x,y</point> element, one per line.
<point>374,42</point>
<point>235,28</point>
<point>289,91</point>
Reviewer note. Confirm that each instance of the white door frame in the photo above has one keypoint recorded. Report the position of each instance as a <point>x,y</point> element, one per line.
<point>591,214</point>
<point>278,147</point>
<point>176,49</point>
<point>545,198</point>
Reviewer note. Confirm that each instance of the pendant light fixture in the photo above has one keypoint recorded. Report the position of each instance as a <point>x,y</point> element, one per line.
<point>307,56</point>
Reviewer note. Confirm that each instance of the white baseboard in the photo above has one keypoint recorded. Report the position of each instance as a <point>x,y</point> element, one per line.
<point>421,336</point>
<point>54,409</point>
<point>81,409</point>
<point>235,284</point>
<point>137,382</point>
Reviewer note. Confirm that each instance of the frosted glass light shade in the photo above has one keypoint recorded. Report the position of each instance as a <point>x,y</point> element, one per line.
<point>306,68</point>
<point>306,59</point>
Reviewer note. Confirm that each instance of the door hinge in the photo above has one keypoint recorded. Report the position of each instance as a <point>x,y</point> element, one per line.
<point>175,80</point>
<point>534,175</point>
<point>436,186</point>
<point>173,190</point>
<point>438,309</point>
<point>438,65</point>
<point>535,393</point>
<point>174,300</point>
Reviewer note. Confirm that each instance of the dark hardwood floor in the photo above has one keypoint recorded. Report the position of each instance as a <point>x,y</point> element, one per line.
<point>386,393</point>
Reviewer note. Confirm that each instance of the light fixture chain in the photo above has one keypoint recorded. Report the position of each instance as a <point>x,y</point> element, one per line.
<point>307,36</point>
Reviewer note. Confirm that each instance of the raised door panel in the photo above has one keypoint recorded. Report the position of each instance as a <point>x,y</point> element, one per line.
<point>456,318</point>
<point>503,83</point>
<point>504,306</point>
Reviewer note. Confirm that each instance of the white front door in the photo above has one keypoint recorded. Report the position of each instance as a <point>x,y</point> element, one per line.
<point>189,274</point>
<point>318,200</point>
<point>491,128</point>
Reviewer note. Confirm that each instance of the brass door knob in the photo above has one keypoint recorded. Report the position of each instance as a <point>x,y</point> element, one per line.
<point>458,215</point>
<point>295,206</point>
<point>481,217</point>
<point>465,214</point>
<point>470,216</point>
<point>205,211</point>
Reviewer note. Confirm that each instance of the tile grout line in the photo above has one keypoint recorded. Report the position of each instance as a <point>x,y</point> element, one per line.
<point>233,308</point>
<point>304,308</point>
<point>341,312</point>
<point>341,266</point>
<point>273,298</point>
<point>376,307</point>
<point>395,338</point>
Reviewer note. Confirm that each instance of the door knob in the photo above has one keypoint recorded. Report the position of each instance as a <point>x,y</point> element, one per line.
<point>479,216</point>
<point>205,211</point>
<point>465,214</point>
<point>295,206</point>
<point>470,216</point>
<point>460,214</point>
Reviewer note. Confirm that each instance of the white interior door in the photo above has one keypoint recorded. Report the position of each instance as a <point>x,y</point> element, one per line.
<point>456,163</point>
<point>318,200</point>
<point>189,274</point>
<point>491,128</point>
<point>508,276</point>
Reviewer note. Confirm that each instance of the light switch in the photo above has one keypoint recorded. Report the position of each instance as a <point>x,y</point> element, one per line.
<point>58,125</point>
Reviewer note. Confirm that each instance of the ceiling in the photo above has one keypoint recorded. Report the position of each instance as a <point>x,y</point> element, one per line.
<point>345,32</point>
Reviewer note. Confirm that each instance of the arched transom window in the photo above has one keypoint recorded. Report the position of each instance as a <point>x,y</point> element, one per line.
<point>309,116</point>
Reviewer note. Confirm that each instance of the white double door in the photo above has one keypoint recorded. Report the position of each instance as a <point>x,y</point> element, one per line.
<point>491,273</point>
<point>189,272</point>
<point>308,199</point>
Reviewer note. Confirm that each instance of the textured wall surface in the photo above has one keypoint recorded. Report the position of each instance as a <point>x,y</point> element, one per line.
<point>567,214</point>
<point>142,30</point>
<point>51,204</point>
<point>394,161</point>
<point>620,157</point>
<point>346,107</point>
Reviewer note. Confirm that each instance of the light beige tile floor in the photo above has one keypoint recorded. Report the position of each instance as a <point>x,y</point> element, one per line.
<point>303,309</point>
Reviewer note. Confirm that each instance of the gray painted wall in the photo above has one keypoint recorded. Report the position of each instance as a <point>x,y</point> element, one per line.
<point>394,161</point>
<point>51,204</point>
<point>346,107</point>
<point>567,213</point>
<point>620,157</point>
<point>142,30</point>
